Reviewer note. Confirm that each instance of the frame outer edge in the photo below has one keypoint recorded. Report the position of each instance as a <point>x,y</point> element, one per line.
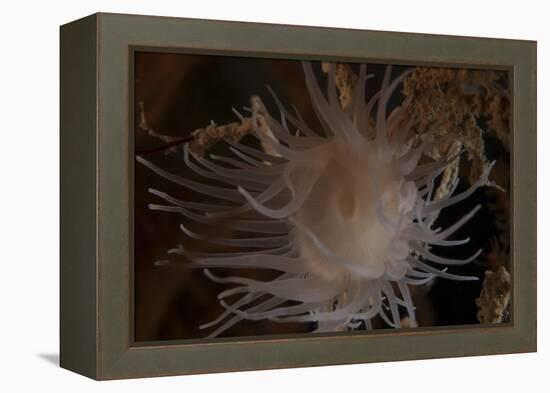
<point>525,208</point>
<point>78,197</point>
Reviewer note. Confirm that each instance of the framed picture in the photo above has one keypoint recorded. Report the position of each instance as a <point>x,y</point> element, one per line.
<point>240,196</point>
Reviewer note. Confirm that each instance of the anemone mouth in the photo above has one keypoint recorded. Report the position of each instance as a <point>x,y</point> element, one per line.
<point>346,203</point>
<point>342,212</point>
<point>345,219</point>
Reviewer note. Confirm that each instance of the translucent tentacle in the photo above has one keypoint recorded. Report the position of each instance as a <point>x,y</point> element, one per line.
<point>437,259</point>
<point>440,273</point>
<point>217,192</point>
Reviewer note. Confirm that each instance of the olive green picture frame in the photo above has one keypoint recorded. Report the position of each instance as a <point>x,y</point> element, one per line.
<point>97,159</point>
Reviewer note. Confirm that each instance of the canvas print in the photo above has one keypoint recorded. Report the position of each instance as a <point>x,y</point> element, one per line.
<point>290,196</point>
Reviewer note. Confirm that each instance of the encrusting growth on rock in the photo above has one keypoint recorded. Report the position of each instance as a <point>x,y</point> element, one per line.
<point>495,296</point>
<point>448,104</point>
<point>345,80</point>
<point>205,138</point>
<point>201,139</point>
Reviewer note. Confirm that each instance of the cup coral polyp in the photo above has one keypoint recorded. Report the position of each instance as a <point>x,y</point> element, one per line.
<point>344,214</point>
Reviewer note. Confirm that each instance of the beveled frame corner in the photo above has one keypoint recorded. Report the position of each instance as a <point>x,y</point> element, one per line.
<point>117,37</point>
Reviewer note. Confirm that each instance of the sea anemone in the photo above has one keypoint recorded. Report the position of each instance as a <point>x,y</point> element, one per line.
<point>345,214</point>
